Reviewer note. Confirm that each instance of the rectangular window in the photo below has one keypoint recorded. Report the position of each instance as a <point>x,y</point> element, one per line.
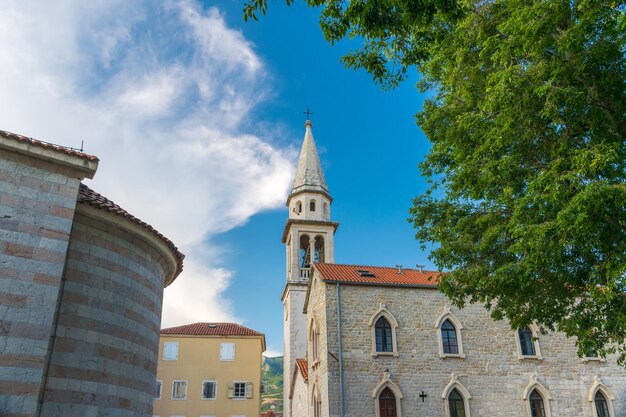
<point>240,390</point>
<point>209,391</point>
<point>170,351</point>
<point>179,390</point>
<point>227,351</point>
<point>527,344</point>
<point>157,389</point>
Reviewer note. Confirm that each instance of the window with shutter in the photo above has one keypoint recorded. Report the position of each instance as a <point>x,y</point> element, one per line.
<point>240,389</point>
<point>157,389</point>
<point>209,390</point>
<point>227,351</point>
<point>179,390</point>
<point>170,351</point>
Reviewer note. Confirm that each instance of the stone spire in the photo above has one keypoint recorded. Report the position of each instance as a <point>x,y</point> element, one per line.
<point>309,175</point>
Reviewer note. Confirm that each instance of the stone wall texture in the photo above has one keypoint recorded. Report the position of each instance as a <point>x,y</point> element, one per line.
<point>295,345</point>
<point>105,353</point>
<point>37,200</point>
<point>491,371</point>
<point>300,397</point>
<point>81,288</point>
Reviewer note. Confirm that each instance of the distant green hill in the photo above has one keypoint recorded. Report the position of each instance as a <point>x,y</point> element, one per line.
<point>272,380</point>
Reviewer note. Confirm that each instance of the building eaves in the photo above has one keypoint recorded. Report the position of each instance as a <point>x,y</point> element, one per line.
<point>91,198</point>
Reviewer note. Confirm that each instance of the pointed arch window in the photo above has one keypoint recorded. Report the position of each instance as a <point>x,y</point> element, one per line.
<point>537,398</point>
<point>314,338</point>
<point>456,398</point>
<point>384,338</point>
<point>317,403</point>
<point>387,404</point>
<point>456,404</point>
<point>528,343</point>
<point>387,397</point>
<point>601,399</point>
<point>448,338</point>
<point>602,406</point>
<point>536,405</point>
<point>384,325</point>
<point>448,329</point>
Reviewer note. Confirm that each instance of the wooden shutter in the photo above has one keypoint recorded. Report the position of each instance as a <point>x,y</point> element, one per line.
<point>227,351</point>
<point>170,350</point>
<point>248,389</point>
<point>231,390</point>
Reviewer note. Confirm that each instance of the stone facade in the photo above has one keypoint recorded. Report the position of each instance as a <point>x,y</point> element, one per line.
<point>491,371</point>
<point>299,395</point>
<point>81,288</point>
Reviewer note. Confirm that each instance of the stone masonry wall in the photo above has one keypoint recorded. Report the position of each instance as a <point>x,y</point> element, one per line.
<point>105,355</point>
<point>296,343</point>
<point>37,201</point>
<point>491,370</point>
<point>300,398</point>
<point>322,309</point>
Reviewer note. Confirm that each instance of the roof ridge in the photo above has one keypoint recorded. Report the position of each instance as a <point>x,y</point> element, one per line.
<point>377,266</point>
<point>204,328</point>
<point>48,145</point>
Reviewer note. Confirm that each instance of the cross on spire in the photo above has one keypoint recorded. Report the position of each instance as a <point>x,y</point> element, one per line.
<point>308,113</point>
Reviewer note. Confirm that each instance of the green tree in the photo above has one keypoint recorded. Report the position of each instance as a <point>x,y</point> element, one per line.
<point>527,204</point>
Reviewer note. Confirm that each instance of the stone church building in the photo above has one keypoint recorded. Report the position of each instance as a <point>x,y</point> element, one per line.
<point>378,341</point>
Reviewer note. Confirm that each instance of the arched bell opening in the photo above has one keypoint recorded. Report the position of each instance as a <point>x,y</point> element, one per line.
<point>320,255</point>
<point>305,256</point>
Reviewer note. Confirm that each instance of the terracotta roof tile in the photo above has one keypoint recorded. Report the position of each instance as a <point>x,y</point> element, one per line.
<point>211,329</point>
<point>376,275</point>
<point>47,145</point>
<point>303,366</point>
<point>91,198</point>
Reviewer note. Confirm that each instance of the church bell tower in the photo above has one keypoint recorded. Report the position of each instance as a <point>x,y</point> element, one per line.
<point>309,238</point>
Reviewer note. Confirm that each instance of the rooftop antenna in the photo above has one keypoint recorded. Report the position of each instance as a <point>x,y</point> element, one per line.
<point>420,267</point>
<point>399,268</point>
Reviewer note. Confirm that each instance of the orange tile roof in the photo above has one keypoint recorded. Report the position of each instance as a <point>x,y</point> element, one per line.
<point>272,414</point>
<point>303,366</point>
<point>376,275</point>
<point>211,329</point>
<point>88,196</point>
<point>47,145</point>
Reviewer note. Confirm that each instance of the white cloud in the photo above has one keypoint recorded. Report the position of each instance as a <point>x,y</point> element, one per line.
<point>159,92</point>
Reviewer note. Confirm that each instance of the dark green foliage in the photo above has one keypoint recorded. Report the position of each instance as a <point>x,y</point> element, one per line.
<point>527,205</point>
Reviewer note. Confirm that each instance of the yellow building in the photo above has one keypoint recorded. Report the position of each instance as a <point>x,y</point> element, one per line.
<point>209,370</point>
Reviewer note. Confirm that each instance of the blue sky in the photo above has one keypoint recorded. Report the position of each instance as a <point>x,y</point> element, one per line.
<point>197,118</point>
